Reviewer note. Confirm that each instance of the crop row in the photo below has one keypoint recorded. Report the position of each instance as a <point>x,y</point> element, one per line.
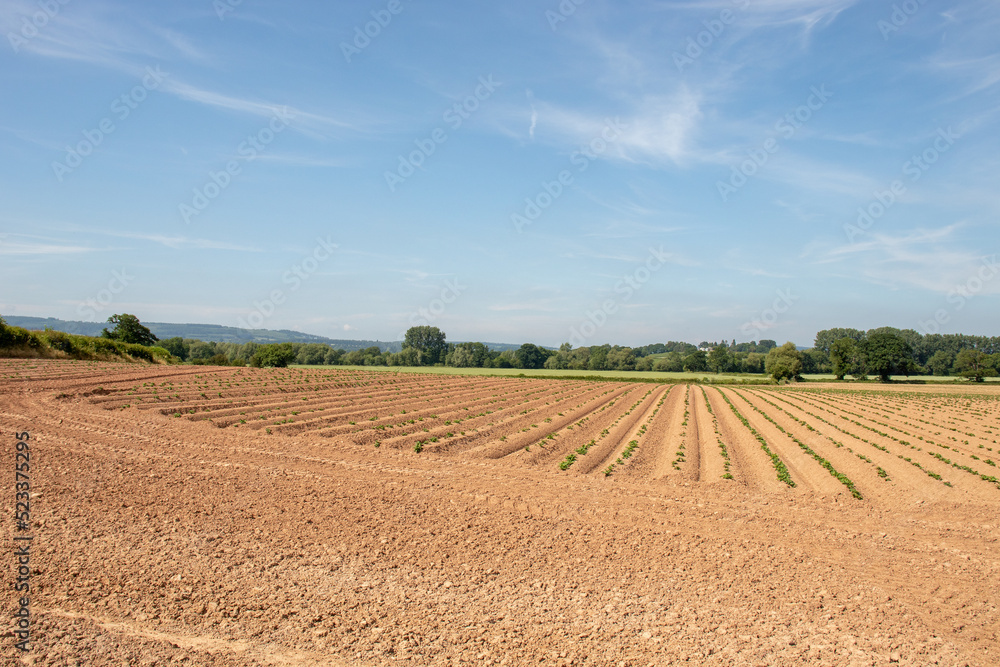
<point>841,477</point>
<point>836,443</point>
<point>776,461</point>
<point>634,444</point>
<point>723,450</point>
<point>986,478</point>
<point>929,473</point>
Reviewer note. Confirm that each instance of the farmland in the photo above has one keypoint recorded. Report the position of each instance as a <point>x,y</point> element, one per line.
<point>232,516</point>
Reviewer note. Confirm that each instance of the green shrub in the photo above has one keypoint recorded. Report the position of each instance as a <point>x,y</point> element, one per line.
<point>61,341</point>
<point>277,355</point>
<point>18,337</point>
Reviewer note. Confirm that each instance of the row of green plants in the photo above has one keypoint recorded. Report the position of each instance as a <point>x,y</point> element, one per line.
<point>634,444</point>
<point>916,464</point>
<point>676,463</point>
<point>992,479</point>
<point>582,450</point>
<point>778,464</point>
<point>836,443</point>
<point>883,409</point>
<point>899,440</point>
<point>723,450</point>
<point>841,477</point>
<point>419,444</point>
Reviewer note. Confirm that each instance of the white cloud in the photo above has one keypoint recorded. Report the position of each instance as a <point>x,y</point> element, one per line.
<point>932,260</point>
<point>658,129</point>
<point>31,248</point>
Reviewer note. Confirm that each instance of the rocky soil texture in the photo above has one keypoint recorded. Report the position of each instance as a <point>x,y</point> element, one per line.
<point>233,516</point>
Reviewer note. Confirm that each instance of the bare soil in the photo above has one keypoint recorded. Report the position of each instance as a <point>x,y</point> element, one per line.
<point>165,531</point>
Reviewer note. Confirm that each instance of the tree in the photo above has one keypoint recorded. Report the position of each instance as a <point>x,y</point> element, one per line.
<point>845,358</point>
<point>974,365</point>
<point>815,361</point>
<point>201,350</point>
<point>555,362</point>
<point>598,360</point>
<point>719,359</point>
<point>128,329</point>
<point>696,362</point>
<point>276,355</point>
<point>940,363</point>
<point>311,354</point>
<point>505,359</point>
<point>671,363</point>
<point>766,346</point>
<point>887,354</point>
<point>176,346</point>
<point>333,357</point>
<point>754,362</point>
<point>826,338</point>
<point>621,359</point>
<point>784,362</point>
<point>245,352</point>
<point>429,342</point>
<point>469,355</point>
<point>530,356</point>
<point>407,357</point>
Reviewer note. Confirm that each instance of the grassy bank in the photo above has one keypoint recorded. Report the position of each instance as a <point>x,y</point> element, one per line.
<point>21,343</point>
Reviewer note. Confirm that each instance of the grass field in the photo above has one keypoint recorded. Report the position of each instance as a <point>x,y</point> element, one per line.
<point>624,376</point>
<point>628,376</point>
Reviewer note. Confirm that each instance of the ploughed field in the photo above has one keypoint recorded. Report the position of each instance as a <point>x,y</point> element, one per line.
<point>234,516</point>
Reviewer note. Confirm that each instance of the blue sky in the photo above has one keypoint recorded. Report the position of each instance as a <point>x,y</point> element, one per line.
<point>625,172</point>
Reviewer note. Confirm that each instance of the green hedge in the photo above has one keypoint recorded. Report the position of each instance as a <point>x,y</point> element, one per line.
<point>56,343</point>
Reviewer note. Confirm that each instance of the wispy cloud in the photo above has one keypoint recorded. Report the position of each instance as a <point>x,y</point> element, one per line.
<point>179,242</point>
<point>33,248</point>
<point>627,229</point>
<point>927,259</point>
<point>298,117</point>
<point>100,38</point>
<point>658,129</point>
<point>542,305</point>
<point>534,116</point>
<point>303,160</point>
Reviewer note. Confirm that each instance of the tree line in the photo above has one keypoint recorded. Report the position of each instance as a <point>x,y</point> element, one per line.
<point>889,351</point>
<point>881,353</point>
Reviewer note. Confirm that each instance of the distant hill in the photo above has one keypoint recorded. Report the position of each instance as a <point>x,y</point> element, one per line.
<point>217,333</point>
<point>206,332</point>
